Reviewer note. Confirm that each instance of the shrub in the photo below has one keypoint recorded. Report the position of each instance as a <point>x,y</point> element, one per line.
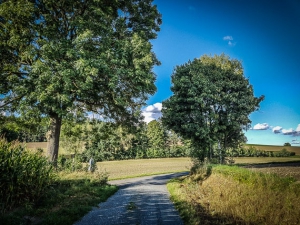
<point>284,153</point>
<point>71,164</point>
<point>24,175</point>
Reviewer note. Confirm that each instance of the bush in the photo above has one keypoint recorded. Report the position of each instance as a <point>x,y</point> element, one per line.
<point>71,164</point>
<point>24,175</point>
<point>284,153</point>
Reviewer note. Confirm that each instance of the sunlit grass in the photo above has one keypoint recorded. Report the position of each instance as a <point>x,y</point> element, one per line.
<point>255,160</point>
<point>233,195</point>
<point>143,167</point>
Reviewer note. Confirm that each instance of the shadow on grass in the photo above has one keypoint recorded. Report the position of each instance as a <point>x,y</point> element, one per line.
<point>64,202</point>
<point>194,213</point>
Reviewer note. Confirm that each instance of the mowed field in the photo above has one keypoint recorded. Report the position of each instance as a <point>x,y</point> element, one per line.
<point>143,167</point>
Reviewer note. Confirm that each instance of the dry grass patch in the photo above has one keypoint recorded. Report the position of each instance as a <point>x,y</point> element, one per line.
<point>232,195</point>
<point>43,145</point>
<point>143,167</point>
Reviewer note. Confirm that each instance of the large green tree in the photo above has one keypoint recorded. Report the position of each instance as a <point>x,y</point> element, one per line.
<point>62,57</point>
<point>211,104</point>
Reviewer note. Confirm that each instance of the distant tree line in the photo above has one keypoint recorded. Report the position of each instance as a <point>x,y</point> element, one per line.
<point>254,152</point>
<point>91,138</point>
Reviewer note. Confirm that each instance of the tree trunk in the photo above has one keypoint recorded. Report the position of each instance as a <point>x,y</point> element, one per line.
<point>53,137</point>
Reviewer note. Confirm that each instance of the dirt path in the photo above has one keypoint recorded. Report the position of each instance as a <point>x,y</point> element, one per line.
<point>140,201</point>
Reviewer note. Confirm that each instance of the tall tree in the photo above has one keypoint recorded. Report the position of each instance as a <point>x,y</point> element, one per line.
<point>211,103</point>
<point>59,57</point>
<point>156,139</point>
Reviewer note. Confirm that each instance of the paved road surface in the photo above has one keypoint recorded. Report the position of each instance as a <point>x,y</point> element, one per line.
<point>139,201</point>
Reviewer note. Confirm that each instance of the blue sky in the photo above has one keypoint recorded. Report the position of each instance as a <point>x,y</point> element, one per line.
<point>263,34</point>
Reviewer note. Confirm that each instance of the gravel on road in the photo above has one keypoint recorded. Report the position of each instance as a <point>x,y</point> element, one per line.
<point>139,201</point>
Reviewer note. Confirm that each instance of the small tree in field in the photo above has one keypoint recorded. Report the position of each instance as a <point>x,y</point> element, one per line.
<point>62,57</point>
<point>210,105</point>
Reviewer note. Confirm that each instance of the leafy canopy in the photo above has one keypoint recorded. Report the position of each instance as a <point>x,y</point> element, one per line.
<point>58,56</point>
<point>211,103</point>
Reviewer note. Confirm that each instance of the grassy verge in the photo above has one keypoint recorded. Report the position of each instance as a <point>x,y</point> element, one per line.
<point>65,202</point>
<point>233,195</point>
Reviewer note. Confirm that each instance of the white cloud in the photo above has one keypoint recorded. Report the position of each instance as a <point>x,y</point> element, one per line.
<point>261,126</point>
<point>288,131</point>
<point>231,43</point>
<point>298,128</point>
<point>228,38</point>
<point>277,129</point>
<point>152,112</point>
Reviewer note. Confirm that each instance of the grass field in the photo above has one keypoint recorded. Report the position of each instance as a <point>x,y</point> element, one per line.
<point>143,167</point>
<point>275,148</point>
<point>256,160</point>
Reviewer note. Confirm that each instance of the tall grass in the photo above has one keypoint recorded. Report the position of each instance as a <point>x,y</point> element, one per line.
<point>67,200</point>
<point>233,195</point>
<point>31,192</point>
<point>24,175</point>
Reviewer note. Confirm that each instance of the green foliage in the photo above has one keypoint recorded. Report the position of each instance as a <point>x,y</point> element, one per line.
<point>287,144</point>
<point>156,140</point>
<point>211,104</point>
<point>24,129</point>
<point>108,141</point>
<point>61,59</point>
<point>24,175</point>
<point>70,164</point>
<point>284,153</point>
<point>67,201</point>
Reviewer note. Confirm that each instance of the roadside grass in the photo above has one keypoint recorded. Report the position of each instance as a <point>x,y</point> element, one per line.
<point>67,200</point>
<point>74,194</point>
<point>234,195</point>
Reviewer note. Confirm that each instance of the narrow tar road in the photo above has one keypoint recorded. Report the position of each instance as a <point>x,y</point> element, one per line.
<point>139,201</point>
